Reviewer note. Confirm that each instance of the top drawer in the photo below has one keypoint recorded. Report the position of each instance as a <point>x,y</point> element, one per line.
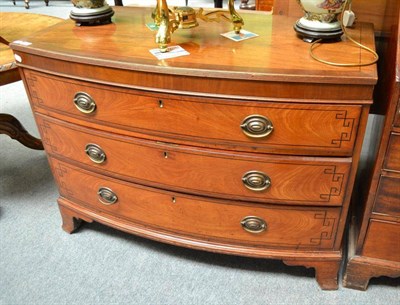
<point>232,124</point>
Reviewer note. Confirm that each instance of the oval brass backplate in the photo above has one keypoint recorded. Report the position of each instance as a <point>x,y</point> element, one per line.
<point>253,224</point>
<point>84,102</point>
<point>95,153</point>
<point>256,126</point>
<point>107,196</point>
<point>256,181</point>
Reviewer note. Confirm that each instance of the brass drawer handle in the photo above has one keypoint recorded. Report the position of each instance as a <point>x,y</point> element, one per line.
<point>95,153</point>
<point>253,224</point>
<point>256,126</point>
<point>84,102</point>
<point>256,181</point>
<point>107,196</point>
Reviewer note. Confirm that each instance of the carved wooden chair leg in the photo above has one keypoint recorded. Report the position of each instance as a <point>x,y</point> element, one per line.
<point>2,40</point>
<point>10,126</point>
<point>26,4</point>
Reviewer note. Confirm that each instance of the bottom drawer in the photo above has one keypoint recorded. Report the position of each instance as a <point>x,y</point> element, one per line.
<point>200,217</point>
<point>382,241</point>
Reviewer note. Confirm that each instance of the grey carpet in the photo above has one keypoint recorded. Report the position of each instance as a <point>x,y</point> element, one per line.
<point>41,264</point>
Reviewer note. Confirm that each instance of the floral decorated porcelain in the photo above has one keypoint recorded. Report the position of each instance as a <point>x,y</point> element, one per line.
<point>320,19</point>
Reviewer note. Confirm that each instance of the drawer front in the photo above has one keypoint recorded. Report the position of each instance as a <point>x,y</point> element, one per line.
<point>382,241</point>
<point>233,124</point>
<point>199,216</point>
<point>392,159</point>
<point>387,199</point>
<point>244,176</point>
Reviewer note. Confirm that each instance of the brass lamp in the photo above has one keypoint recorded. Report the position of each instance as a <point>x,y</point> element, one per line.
<point>186,17</point>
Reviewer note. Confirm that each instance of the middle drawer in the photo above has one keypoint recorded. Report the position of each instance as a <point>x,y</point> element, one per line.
<point>216,173</point>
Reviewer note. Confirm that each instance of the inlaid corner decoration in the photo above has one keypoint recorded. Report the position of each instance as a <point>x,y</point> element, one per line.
<point>60,172</point>
<point>44,128</point>
<point>348,123</point>
<point>337,184</point>
<point>32,81</point>
<point>327,231</point>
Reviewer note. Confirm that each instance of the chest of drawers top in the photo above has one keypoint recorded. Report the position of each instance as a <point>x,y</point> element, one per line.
<point>276,64</point>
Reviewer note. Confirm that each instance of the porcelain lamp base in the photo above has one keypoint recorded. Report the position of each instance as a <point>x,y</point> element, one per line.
<point>311,30</point>
<point>92,16</point>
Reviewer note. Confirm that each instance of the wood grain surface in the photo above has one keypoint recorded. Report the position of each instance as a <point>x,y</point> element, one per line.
<point>376,246</point>
<point>125,44</point>
<point>287,227</point>
<point>297,129</point>
<point>175,152</point>
<point>294,180</point>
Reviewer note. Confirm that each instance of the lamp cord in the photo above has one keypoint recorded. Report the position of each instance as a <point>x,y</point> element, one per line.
<point>316,44</point>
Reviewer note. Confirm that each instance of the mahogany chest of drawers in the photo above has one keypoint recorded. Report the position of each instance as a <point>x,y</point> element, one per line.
<point>246,148</point>
<point>375,235</point>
